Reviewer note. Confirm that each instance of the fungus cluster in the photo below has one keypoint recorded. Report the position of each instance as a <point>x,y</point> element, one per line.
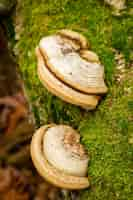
<point>71,71</point>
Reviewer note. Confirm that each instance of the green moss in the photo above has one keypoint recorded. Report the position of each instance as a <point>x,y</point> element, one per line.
<point>105,131</point>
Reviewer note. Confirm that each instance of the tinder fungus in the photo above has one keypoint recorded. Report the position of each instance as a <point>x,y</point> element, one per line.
<point>70,70</point>
<point>59,157</point>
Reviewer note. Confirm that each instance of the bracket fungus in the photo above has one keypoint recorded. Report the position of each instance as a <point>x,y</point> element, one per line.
<point>71,71</point>
<point>59,157</point>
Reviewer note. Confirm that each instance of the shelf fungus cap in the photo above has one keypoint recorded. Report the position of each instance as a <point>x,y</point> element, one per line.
<point>67,56</point>
<point>69,70</point>
<point>59,157</point>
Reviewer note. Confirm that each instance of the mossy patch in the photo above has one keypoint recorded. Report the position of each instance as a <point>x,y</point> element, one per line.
<point>107,130</point>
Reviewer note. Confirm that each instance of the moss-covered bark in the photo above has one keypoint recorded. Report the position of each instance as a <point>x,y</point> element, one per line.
<point>107,131</point>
